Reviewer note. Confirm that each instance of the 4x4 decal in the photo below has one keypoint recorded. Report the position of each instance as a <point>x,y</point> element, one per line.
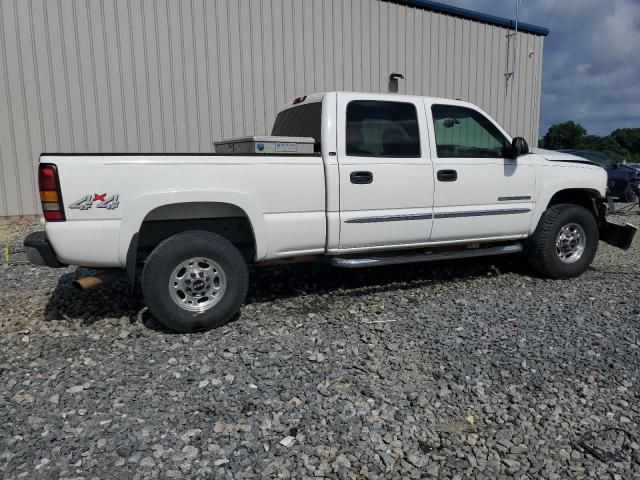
<point>102,200</point>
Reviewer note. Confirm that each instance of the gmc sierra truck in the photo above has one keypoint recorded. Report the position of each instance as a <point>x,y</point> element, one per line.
<point>393,179</point>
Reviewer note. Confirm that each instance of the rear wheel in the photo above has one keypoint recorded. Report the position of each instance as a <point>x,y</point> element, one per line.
<point>194,281</point>
<point>565,241</point>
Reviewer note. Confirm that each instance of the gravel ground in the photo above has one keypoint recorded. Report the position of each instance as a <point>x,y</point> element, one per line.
<point>472,369</point>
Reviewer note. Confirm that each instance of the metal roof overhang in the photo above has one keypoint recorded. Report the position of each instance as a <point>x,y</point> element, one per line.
<point>471,15</point>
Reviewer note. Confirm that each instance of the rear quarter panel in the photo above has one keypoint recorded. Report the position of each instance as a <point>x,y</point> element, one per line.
<point>283,196</point>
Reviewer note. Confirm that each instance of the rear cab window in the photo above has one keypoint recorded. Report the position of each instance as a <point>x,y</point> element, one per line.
<point>301,121</point>
<point>382,129</point>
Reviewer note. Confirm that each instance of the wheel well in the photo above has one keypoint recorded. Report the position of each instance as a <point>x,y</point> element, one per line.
<point>584,198</point>
<point>226,220</point>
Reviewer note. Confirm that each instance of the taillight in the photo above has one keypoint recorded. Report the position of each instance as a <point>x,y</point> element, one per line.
<point>50,195</point>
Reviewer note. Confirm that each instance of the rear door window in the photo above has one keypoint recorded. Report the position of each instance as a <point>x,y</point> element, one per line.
<point>382,129</point>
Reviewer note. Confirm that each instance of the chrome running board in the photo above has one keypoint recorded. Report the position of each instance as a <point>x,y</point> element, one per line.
<point>370,261</point>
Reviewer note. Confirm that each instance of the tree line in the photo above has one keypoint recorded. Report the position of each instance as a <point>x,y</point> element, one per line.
<point>623,144</point>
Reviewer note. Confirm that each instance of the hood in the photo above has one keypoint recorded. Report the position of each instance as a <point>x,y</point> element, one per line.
<point>555,156</point>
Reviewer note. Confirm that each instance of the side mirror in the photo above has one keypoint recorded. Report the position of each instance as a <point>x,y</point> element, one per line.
<point>450,122</point>
<point>518,147</point>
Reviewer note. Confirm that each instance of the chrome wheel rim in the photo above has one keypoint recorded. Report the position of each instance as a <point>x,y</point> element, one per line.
<point>570,243</point>
<point>197,284</point>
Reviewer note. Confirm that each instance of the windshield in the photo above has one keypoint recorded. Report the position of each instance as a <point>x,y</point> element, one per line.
<point>302,121</point>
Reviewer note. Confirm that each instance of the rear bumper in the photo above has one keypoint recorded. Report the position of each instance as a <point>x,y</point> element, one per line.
<point>40,252</point>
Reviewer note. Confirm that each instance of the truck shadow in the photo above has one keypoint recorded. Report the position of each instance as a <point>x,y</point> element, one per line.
<point>111,302</point>
<point>115,304</point>
<point>277,283</point>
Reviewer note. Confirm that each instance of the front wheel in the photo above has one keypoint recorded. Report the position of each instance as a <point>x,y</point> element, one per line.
<point>630,195</point>
<point>565,241</point>
<point>194,281</point>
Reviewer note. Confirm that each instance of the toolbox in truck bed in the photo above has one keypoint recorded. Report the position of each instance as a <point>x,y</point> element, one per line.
<point>279,145</point>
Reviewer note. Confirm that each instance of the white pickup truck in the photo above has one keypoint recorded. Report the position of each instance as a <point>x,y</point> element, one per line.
<point>394,179</point>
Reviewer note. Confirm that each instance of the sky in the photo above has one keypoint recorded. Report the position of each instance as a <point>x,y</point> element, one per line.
<point>591,59</point>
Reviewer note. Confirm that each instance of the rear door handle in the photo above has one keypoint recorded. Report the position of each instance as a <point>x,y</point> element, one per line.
<point>447,175</point>
<point>361,178</point>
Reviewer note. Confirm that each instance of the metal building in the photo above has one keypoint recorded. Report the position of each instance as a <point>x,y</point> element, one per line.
<point>176,75</point>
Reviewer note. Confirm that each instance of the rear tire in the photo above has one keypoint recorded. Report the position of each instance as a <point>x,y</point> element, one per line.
<point>195,281</point>
<point>564,242</point>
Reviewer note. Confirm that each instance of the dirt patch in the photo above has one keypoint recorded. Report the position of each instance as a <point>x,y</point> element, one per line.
<point>13,228</point>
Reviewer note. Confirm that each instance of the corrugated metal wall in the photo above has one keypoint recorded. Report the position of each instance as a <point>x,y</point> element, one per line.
<point>175,75</point>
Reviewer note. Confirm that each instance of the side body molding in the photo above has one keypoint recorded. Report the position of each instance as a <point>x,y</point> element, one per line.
<point>138,207</point>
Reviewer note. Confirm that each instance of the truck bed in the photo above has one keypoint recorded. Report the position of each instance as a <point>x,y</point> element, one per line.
<point>279,194</point>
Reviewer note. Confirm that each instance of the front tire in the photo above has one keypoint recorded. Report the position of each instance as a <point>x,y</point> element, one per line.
<point>565,241</point>
<point>630,195</point>
<point>195,281</point>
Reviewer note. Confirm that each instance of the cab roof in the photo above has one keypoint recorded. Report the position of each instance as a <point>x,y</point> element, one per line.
<point>318,96</point>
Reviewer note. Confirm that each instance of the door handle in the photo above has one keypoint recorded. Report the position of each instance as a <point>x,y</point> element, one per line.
<point>361,178</point>
<point>447,175</point>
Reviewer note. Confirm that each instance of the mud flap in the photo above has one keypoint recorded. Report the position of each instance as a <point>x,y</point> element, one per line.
<point>132,262</point>
<point>619,236</point>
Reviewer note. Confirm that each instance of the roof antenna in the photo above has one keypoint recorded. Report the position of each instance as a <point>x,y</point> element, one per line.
<point>511,72</point>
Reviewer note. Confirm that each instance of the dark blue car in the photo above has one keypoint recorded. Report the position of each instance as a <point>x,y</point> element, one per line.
<point>622,178</point>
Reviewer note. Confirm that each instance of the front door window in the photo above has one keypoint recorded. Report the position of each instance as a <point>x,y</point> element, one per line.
<point>465,133</point>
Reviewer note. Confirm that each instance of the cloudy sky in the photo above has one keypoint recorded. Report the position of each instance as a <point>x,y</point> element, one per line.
<point>591,66</point>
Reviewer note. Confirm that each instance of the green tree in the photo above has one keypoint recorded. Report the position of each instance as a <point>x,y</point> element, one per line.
<point>606,145</point>
<point>622,145</point>
<point>563,135</point>
<point>628,138</point>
